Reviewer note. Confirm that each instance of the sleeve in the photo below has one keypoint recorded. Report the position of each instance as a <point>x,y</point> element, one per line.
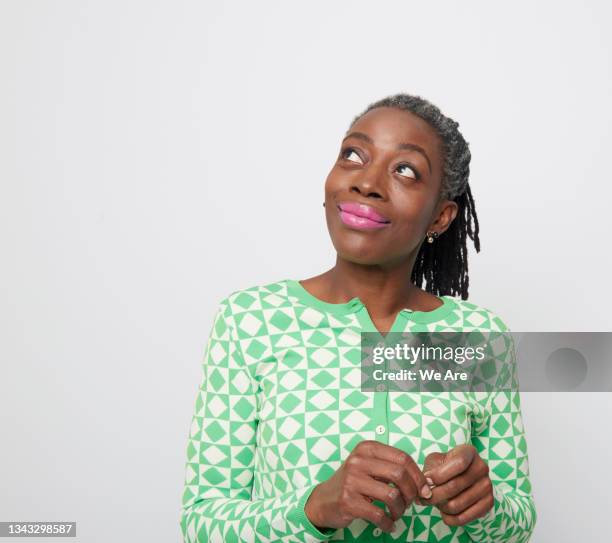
<point>499,438</point>
<point>217,503</point>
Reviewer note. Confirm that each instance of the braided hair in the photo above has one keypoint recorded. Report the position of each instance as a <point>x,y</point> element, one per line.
<point>443,264</point>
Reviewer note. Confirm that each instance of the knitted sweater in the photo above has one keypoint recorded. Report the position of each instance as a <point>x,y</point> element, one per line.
<point>280,407</point>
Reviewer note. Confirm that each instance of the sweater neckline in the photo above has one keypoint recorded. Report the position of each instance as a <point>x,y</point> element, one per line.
<point>355,305</point>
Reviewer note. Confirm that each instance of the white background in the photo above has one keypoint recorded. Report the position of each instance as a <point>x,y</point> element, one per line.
<point>156,156</point>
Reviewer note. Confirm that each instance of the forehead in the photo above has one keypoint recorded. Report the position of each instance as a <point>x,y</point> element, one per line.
<point>388,126</point>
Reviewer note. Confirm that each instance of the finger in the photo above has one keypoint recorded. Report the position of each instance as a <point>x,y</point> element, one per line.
<point>477,510</point>
<point>455,486</point>
<point>381,491</point>
<point>419,479</point>
<point>480,489</point>
<point>457,461</point>
<point>391,472</point>
<point>397,456</point>
<point>368,511</point>
<point>433,460</point>
<point>420,501</point>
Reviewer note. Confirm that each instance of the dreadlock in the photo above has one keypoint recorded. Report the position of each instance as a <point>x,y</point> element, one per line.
<point>443,264</point>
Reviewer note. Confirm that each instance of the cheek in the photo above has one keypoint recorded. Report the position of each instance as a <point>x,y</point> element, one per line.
<point>331,183</point>
<point>413,212</point>
<point>333,186</point>
<point>412,218</point>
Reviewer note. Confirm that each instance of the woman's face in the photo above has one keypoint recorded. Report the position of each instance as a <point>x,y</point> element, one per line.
<point>382,195</point>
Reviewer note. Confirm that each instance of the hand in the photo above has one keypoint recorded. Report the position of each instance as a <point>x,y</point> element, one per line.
<point>462,488</point>
<point>362,478</point>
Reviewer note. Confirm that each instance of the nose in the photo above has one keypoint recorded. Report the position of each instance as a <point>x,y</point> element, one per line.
<point>367,187</point>
<point>371,181</point>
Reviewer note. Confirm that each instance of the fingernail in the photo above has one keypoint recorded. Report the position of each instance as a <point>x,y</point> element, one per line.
<point>429,481</point>
<point>426,492</point>
<point>427,473</point>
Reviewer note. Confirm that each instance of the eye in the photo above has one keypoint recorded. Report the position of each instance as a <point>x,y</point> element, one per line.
<point>415,174</point>
<point>348,152</point>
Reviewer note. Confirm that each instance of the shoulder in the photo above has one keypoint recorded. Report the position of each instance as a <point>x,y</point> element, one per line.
<point>474,315</point>
<point>255,299</point>
<point>251,314</point>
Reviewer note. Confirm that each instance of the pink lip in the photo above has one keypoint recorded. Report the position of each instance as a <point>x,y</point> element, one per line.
<point>361,216</point>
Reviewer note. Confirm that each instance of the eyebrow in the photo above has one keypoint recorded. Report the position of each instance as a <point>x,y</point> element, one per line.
<point>400,146</point>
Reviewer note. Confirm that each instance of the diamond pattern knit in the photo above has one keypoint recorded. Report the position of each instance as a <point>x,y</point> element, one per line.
<point>280,407</point>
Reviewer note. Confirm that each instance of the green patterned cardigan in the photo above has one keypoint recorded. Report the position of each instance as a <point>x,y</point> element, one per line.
<point>280,407</point>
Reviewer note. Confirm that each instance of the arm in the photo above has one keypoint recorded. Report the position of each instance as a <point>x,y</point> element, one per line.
<point>217,504</point>
<point>499,438</point>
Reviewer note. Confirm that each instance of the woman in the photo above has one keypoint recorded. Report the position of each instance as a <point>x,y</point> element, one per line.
<point>285,445</point>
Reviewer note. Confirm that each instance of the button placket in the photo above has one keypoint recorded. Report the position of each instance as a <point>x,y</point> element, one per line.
<point>380,416</point>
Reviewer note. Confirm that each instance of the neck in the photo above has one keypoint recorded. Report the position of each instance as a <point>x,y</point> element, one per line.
<point>384,289</point>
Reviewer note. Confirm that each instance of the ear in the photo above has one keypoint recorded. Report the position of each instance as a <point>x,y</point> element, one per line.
<point>444,214</point>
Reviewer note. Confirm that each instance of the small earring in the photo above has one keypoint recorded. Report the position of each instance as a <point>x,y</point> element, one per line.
<point>431,236</point>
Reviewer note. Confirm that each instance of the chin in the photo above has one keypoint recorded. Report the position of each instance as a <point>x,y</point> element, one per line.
<point>365,253</point>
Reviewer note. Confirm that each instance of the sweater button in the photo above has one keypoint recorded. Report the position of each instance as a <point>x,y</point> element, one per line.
<point>380,429</point>
<point>376,532</point>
